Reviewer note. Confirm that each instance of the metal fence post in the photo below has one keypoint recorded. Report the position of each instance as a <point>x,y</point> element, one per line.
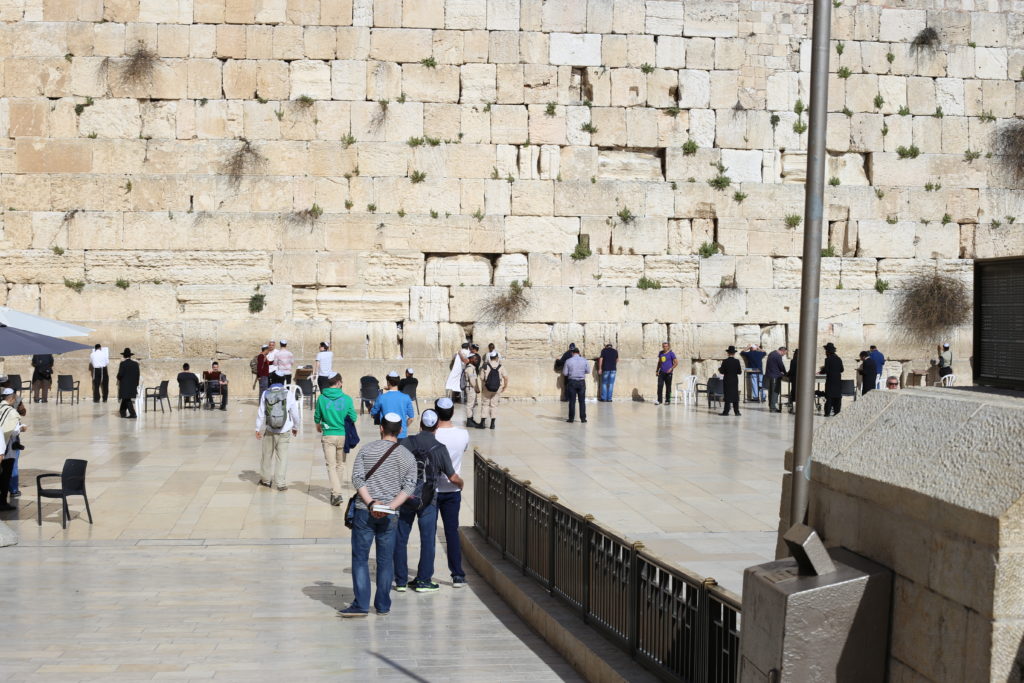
<point>704,620</point>
<point>526,525</point>
<point>633,606</point>
<point>588,564</point>
<point>551,543</point>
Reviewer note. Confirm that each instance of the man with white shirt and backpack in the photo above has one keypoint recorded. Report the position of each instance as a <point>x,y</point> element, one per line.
<point>277,420</point>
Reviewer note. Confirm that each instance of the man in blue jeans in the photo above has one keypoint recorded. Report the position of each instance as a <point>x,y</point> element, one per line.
<point>432,460</point>
<point>384,475</point>
<point>449,489</point>
<point>606,364</point>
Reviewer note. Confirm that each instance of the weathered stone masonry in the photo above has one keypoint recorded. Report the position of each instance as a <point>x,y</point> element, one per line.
<point>528,125</point>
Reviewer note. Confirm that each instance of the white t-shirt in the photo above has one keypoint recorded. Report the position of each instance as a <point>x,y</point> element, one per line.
<point>456,440</point>
<point>325,359</point>
<point>272,360</point>
<point>284,359</point>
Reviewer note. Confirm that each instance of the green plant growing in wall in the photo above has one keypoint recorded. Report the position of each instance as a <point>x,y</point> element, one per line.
<point>830,252</point>
<point>907,152</point>
<point>625,215</point>
<point>429,62</point>
<point>879,101</point>
<point>792,220</point>
<point>76,285</point>
<point>122,283</point>
<point>904,111</point>
<point>647,68</point>
<point>946,219</point>
<point>833,181</point>
<point>720,181</point>
<point>881,285</point>
<point>417,177</point>
<point>844,72</point>
<point>689,147</point>
<point>550,109</point>
<point>672,111</point>
<point>647,283</point>
<point>81,106</point>
<point>139,66</point>
<point>588,127</point>
<point>709,249</point>
<point>738,196</point>
<point>257,302</point>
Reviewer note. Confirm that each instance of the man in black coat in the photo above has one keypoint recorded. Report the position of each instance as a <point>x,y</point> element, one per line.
<point>731,370</point>
<point>127,384</point>
<point>774,371</point>
<point>868,371</point>
<point>833,371</point>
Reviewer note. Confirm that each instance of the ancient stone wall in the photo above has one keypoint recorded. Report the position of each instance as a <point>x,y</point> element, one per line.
<point>376,170</point>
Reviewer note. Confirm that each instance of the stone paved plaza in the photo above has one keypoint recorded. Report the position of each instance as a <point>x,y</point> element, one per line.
<point>192,571</point>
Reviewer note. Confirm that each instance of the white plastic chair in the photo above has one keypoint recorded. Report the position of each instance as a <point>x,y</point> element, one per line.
<point>686,391</point>
<point>947,381</point>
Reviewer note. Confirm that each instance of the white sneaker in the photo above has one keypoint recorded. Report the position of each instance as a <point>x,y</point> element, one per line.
<point>657,403</point>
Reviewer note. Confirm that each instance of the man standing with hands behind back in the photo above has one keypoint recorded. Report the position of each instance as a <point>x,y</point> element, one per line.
<point>667,363</point>
<point>384,476</point>
<point>575,371</point>
<point>99,359</point>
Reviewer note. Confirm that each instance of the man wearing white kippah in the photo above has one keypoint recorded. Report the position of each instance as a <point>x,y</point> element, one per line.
<point>394,401</point>
<point>284,359</point>
<point>384,476</point>
<point>449,489</point>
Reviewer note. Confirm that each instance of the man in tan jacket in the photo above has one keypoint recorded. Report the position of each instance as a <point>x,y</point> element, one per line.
<point>471,382</point>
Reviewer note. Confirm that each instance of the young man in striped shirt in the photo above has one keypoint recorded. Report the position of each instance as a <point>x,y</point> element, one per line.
<point>393,481</point>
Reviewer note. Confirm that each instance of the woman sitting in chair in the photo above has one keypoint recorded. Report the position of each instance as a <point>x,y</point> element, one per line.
<point>216,383</point>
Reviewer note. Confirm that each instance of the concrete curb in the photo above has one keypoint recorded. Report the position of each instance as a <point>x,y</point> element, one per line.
<point>594,657</point>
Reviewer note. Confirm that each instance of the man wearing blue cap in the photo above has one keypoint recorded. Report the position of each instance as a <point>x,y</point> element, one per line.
<point>394,401</point>
<point>384,476</point>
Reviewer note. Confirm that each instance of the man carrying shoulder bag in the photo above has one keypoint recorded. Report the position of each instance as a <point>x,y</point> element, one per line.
<point>384,476</point>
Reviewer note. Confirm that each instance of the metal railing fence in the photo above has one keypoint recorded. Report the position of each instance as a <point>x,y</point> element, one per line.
<point>682,627</point>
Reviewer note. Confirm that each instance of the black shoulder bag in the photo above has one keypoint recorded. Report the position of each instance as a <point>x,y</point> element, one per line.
<point>350,509</point>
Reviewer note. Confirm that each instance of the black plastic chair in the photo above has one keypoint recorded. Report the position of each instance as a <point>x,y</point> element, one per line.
<point>849,388</point>
<point>409,389</point>
<point>158,395</point>
<point>14,382</point>
<point>308,390</point>
<point>715,389</point>
<point>67,384</point>
<point>72,483</point>
<point>369,390</point>
<point>188,392</point>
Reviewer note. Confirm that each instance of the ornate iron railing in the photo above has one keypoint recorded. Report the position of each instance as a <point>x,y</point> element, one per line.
<point>682,627</point>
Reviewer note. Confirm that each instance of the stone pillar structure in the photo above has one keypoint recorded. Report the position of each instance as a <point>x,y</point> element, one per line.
<point>928,482</point>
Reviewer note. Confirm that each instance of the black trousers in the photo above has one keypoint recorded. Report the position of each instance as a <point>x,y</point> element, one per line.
<point>577,391</point>
<point>665,380</point>
<point>100,384</point>
<point>127,408</point>
<point>6,470</point>
<point>774,393</point>
<point>277,378</point>
<point>833,405</point>
<point>323,382</point>
<point>735,407</point>
<point>223,397</point>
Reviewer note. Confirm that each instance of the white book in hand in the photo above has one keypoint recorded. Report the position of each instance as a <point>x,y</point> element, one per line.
<point>385,509</point>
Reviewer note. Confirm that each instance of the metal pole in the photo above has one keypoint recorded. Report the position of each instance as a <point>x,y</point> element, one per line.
<point>811,276</point>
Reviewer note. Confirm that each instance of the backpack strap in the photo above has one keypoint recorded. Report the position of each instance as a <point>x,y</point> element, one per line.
<point>378,464</point>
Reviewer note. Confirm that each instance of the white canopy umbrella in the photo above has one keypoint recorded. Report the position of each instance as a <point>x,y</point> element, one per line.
<point>45,326</point>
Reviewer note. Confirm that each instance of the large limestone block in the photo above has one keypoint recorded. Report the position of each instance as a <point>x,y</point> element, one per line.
<point>753,271</point>
<point>937,240</point>
<point>465,269</point>
<point>718,271</point>
<point>858,273</point>
<point>529,233</point>
<point>621,271</point>
<point>457,234</point>
<point>527,340</point>
<point>428,303</point>
<point>199,268</point>
<point>880,239</point>
<point>714,19</point>
<point>646,235</point>
<point>391,268</point>
<point>510,267</point>
<point>898,272</point>
<point>657,305</point>
<point>626,165</point>
<point>111,118</point>
<point>743,166</point>
<point>217,302</point>
<point>599,304</point>
<point>107,302</point>
<point>545,269</point>
<point>383,340</point>
<point>575,49</point>
<point>716,304</point>
<point>673,271</point>
<point>336,303</point>
<point>43,266</point>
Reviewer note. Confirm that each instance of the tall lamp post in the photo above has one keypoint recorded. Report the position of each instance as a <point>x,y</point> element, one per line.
<point>814,200</point>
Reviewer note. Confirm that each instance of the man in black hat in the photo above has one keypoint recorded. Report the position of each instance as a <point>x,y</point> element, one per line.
<point>731,370</point>
<point>127,384</point>
<point>833,371</point>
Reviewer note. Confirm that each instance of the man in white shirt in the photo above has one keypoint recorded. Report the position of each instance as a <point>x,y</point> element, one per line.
<point>453,385</point>
<point>277,420</point>
<point>271,360</point>
<point>10,427</point>
<point>99,360</point>
<point>323,367</point>
<point>449,495</point>
<point>284,360</point>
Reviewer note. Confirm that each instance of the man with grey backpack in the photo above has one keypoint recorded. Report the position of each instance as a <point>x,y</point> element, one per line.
<point>277,420</point>
<point>432,459</point>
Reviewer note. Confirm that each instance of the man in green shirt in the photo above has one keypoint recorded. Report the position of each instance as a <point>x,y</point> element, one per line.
<point>333,407</point>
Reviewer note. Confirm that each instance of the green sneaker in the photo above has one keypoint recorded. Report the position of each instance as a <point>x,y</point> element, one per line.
<point>426,587</point>
<point>400,587</point>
